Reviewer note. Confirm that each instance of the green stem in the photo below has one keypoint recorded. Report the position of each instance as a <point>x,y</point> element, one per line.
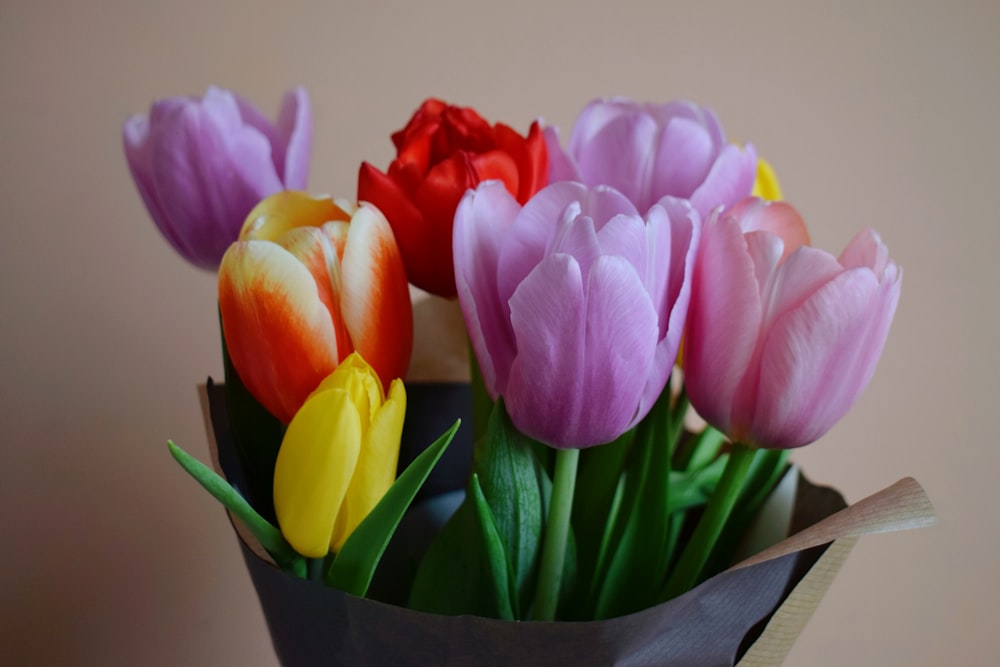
<point>556,533</point>
<point>699,548</point>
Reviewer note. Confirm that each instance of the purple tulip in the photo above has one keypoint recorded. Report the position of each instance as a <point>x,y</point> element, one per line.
<point>202,164</point>
<point>574,304</point>
<point>648,151</point>
<point>781,341</point>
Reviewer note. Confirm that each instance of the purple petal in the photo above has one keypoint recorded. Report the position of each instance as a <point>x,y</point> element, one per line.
<point>866,249</point>
<point>481,223</point>
<point>209,171</point>
<point>135,138</point>
<point>294,139</point>
<point>561,166</point>
<point>545,392</point>
<point>730,180</point>
<point>683,159</point>
<point>619,156</point>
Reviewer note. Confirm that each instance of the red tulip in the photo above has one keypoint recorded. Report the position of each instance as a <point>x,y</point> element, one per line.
<point>441,153</point>
<point>309,282</point>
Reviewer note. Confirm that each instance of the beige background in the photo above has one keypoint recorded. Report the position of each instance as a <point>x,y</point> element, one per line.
<point>881,115</point>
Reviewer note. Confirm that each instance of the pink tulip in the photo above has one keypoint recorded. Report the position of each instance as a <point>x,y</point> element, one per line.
<point>782,338</point>
<point>574,304</point>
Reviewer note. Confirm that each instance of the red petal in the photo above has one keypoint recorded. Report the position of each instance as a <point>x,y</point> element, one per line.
<point>433,270</point>
<point>406,220</point>
<point>529,154</point>
<point>496,165</point>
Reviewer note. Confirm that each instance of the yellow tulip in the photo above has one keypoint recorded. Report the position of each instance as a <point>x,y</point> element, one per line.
<point>766,185</point>
<point>338,457</point>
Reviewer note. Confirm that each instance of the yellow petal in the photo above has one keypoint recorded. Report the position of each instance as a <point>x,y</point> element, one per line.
<point>315,464</point>
<point>376,469</point>
<point>286,210</point>
<point>361,383</point>
<point>766,186</point>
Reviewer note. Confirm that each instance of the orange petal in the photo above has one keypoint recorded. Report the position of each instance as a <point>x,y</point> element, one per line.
<point>278,331</point>
<point>375,299</point>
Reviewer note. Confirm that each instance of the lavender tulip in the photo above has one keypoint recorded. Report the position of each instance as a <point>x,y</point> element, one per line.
<point>782,338</point>
<point>574,304</point>
<point>201,165</point>
<point>649,151</point>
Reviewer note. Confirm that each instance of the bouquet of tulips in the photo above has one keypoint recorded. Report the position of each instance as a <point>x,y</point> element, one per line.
<point>614,289</point>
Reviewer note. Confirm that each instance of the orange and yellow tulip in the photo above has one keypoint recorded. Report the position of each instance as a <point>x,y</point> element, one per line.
<point>309,281</point>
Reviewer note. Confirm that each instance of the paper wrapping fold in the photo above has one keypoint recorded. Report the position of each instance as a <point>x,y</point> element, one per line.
<point>748,615</point>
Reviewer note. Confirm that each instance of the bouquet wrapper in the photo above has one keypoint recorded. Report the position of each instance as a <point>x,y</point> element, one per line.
<point>748,615</point>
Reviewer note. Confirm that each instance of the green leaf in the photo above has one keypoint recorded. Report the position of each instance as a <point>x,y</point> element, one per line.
<point>496,559</point>
<point>269,536</point>
<point>509,475</point>
<point>460,573</point>
<point>640,556</point>
<point>257,435</point>
<point>354,566</point>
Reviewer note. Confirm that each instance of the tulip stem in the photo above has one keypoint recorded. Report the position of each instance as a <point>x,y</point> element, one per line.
<point>550,571</point>
<point>688,570</point>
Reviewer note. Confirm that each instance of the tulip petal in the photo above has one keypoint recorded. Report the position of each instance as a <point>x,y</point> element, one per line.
<point>278,332</point>
<point>561,165</point>
<point>482,222</point>
<point>315,464</point>
<point>294,139</point>
<point>684,157</point>
<point>531,236</point>
<point>496,165</point>
<point>210,170</point>
<point>730,179</point>
<point>287,210</point>
<point>811,366</point>
<point>776,218</point>
<point>866,249</point>
<point>138,154</point>
<point>619,156</point>
<point>548,316</point>
<point>375,299</point>
<point>723,323</point>
<point>376,469</point>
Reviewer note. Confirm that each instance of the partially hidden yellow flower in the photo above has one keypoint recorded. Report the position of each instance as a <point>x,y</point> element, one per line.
<point>766,185</point>
<point>338,457</point>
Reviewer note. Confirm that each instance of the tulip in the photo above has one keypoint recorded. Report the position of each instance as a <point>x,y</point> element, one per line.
<point>309,282</point>
<point>649,151</point>
<point>782,338</point>
<point>574,304</point>
<point>338,457</point>
<point>443,151</point>
<point>202,164</point>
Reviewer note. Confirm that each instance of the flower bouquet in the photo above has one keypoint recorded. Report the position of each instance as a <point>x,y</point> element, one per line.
<point>651,333</point>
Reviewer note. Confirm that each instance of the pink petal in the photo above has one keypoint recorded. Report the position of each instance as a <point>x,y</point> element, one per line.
<point>818,358</point>
<point>723,323</point>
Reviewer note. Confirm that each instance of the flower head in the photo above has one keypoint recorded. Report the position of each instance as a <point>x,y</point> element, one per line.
<point>574,304</point>
<point>310,281</point>
<point>649,151</point>
<point>201,165</point>
<point>338,457</point>
<point>443,151</point>
<point>782,337</point>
